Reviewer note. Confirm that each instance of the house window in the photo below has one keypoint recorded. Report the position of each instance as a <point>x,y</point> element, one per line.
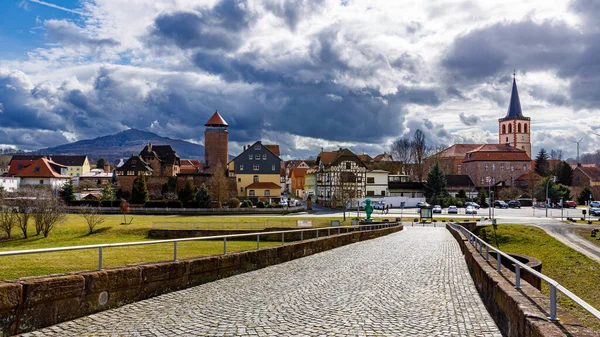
<point>459,169</point>
<point>41,182</point>
<point>241,167</point>
<point>256,167</point>
<point>370,180</point>
<point>241,189</point>
<point>503,128</point>
<point>348,165</point>
<point>255,178</point>
<point>501,167</point>
<point>257,147</point>
<point>370,193</point>
<point>257,156</point>
<point>20,166</point>
<point>36,169</point>
<point>509,128</point>
<point>78,169</point>
<point>250,156</point>
<point>383,193</point>
<point>264,156</point>
<point>273,167</point>
<point>525,128</point>
<point>487,166</point>
<point>267,193</point>
<point>512,168</point>
<point>524,167</point>
<point>493,167</point>
<point>519,128</point>
<point>482,182</point>
<point>251,193</point>
<point>239,180</point>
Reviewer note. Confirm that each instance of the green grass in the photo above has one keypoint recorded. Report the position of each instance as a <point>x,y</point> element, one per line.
<point>74,232</point>
<point>568,267</point>
<point>583,222</point>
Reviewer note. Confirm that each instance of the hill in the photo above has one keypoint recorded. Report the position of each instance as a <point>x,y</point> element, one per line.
<point>123,145</point>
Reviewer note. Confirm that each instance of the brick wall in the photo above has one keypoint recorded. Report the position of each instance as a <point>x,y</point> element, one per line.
<point>216,148</point>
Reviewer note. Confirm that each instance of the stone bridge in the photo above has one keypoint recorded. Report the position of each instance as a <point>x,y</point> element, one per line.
<point>410,283</point>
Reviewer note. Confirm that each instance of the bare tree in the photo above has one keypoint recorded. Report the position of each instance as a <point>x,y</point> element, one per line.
<point>48,212</point>
<point>23,203</point>
<point>92,217</point>
<point>218,184</point>
<point>8,220</point>
<point>419,152</point>
<point>401,150</point>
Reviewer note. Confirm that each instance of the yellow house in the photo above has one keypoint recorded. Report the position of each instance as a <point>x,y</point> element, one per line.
<point>257,172</point>
<point>76,165</point>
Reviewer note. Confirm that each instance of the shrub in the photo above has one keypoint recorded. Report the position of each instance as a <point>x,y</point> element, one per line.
<point>233,203</point>
<point>214,204</point>
<point>174,204</point>
<point>91,203</point>
<point>260,204</point>
<point>264,200</point>
<point>155,204</point>
<point>108,203</point>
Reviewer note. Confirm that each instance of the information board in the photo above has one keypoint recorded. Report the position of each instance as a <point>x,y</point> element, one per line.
<point>304,223</point>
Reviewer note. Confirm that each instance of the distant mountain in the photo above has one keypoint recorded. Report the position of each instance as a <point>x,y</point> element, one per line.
<point>123,145</point>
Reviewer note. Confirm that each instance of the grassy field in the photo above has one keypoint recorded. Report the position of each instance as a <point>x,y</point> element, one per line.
<point>570,268</point>
<point>595,222</point>
<point>74,232</point>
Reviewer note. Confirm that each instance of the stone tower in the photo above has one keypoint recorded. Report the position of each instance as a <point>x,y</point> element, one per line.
<point>216,138</point>
<point>515,129</point>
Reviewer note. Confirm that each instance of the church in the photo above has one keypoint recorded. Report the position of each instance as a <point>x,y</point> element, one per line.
<point>499,164</point>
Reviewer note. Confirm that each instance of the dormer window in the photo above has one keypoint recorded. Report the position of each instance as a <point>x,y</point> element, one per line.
<point>257,147</point>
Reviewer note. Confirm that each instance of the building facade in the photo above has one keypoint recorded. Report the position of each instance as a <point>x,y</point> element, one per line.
<point>257,172</point>
<point>377,183</point>
<point>43,172</point>
<point>341,177</point>
<point>163,160</point>
<point>216,142</point>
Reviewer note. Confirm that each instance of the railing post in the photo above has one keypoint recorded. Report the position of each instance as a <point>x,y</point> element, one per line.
<point>487,254</point>
<point>553,303</point>
<point>282,239</point>
<point>174,250</point>
<point>328,231</point>
<point>499,263</point>
<point>301,235</point>
<point>339,229</point>
<point>257,241</point>
<point>518,276</point>
<point>317,234</point>
<point>100,258</point>
<point>224,246</point>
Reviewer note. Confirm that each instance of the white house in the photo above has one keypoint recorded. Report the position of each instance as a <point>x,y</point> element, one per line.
<point>377,183</point>
<point>44,172</point>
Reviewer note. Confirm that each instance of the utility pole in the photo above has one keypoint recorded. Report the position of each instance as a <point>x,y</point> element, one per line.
<point>547,200</point>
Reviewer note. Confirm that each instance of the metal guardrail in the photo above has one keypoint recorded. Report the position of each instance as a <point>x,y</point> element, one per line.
<point>478,243</point>
<point>100,247</point>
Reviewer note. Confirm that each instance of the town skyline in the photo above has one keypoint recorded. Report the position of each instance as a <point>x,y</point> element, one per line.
<point>303,75</point>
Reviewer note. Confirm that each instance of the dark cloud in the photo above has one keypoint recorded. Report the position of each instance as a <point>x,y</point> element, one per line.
<point>67,33</point>
<point>217,28</point>
<point>470,120</point>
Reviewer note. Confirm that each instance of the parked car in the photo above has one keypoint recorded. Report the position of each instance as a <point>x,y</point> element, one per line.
<point>514,204</point>
<point>471,210</point>
<point>472,203</point>
<point>500,203</point>
<point>595,211</point>
<point>422,204</point>
<point>595,204</point>
<point>437,209</point>
<point>452,210</point>
<point>379,205</point>
<point>569,204</point>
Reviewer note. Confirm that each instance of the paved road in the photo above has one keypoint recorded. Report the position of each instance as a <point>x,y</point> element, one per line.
<point>412,283</point>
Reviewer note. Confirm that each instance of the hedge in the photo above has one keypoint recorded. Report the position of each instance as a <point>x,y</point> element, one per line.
<point>92,203</point>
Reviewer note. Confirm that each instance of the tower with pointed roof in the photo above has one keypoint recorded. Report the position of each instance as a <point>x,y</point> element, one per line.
<point>216,142</point>
<point>515,129</point>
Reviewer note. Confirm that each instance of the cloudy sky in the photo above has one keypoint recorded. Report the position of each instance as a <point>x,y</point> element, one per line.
<point>302,73</point>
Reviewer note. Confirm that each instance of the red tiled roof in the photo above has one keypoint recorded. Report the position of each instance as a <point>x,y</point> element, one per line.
<point>496,148</point>
<point>458,150</point>
<point>216,120</point>
<point>592,172</point>
<point>191,162</point>
<point>498,156</point>
<point>263,185</point>
<point>42,168</point>
<point>17,165</point>
<point>299,172</point>
<point>383,156</point>
<point>531,175</point>
<point>365,158</point>
<point>273,148</point>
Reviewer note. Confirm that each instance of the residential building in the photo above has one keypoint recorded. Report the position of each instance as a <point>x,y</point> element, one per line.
<point>257,171</point>
<point>458,182</point>
<point>400,186</point>
<point>163,160</point>
<point>341,176</point>
<point>96,177</point>
<point>76,165</point>
<point>383,157</point>
<point>216,142</point>
<point>135,166</point>
<point>44,172</point>
<point>496,165</point>
<point>298,178</point>
<point>191,166</point>
<point>310,184</point>
<point>586,175</point>
<point>377,183</point>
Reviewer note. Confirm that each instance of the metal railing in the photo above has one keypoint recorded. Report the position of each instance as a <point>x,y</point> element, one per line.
<point>100,247</point>
<point>479,245</point>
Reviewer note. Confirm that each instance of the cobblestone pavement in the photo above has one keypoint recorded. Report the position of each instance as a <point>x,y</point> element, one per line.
<point>411,283</point>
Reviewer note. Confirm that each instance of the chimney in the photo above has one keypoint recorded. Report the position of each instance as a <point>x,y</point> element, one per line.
<point>149,147</point>
<point>244,147</point>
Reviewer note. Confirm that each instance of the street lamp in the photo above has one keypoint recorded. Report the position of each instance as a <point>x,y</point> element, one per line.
<point>547,200</point>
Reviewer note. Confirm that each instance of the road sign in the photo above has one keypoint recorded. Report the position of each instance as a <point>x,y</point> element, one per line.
<point>304,223</point>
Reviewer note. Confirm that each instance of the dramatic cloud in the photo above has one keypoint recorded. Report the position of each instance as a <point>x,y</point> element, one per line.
<point>306,74</point>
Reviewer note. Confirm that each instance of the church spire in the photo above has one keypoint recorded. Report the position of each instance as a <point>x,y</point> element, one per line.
<point>514,108</point>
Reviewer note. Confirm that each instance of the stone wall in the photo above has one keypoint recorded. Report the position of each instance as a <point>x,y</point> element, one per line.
<point>289,237</point>
<point>32,303</point>
<point>517,312</point>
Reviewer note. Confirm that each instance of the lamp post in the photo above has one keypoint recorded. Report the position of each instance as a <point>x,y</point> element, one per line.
<point>547,200</point>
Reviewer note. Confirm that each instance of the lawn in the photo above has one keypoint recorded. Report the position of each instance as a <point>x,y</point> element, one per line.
<point>74,232</point>
<point>568,267</point>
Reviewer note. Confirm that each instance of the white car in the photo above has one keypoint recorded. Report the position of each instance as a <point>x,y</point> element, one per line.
<point>595,204</point>
<point>379,205</point>
<point>471,210</point>
<point>437,209</point>
<point>452,209</point>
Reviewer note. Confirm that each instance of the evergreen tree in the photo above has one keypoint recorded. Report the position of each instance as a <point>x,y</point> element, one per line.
<point>202,197</point>
<point>481,197</point>
<point>584,196</point>
<point>115,179</point>
<point>436,183</point>
<point>100,163</point>
<point>564,173</point>
<point>542,167</point>
<point>187,193</point>
<point>139,191</point>
<point>461,194</point>
<point>66,192</point>
<point>108,193</point>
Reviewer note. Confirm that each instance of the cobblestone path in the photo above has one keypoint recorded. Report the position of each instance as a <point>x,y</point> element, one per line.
<point>411,283</point>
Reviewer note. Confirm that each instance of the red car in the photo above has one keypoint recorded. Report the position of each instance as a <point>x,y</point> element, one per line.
<point>569,204</point>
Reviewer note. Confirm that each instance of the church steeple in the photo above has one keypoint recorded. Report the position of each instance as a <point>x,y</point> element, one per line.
<point>514,108</point>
